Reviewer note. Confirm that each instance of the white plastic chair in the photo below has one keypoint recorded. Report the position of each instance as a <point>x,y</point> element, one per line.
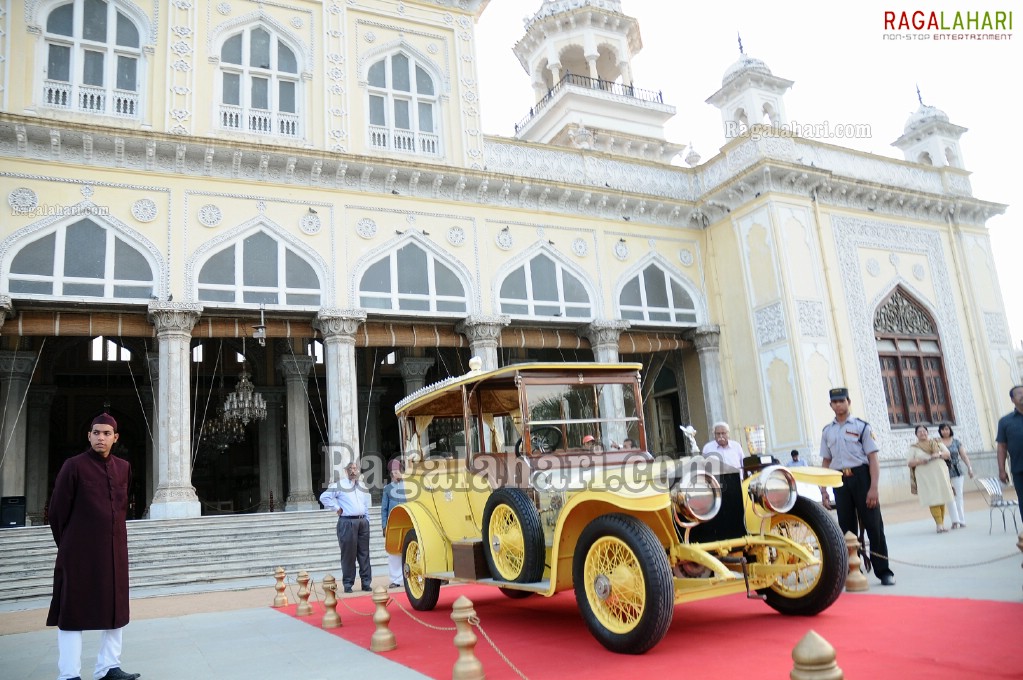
<point>991,488</point>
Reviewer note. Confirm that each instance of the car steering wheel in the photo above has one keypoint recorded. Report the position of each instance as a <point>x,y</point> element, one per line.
<point>544,439</point>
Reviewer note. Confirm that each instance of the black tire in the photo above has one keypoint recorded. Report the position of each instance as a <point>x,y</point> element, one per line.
<point>422,592</point>
<point>645,620</point>
<point>809,591</point>
<point>513,594</point>
<point>513,537</point>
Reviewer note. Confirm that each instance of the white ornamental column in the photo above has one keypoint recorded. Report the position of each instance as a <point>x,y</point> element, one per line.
<point>37,465</point>
<point>15,375</point>
<point>270,479</point>
<point>707,340</point>
<point>338,327</point>
<point>295,368</point>
<point>484,333</point>
<point>603,336</point>
<point>175,496</point>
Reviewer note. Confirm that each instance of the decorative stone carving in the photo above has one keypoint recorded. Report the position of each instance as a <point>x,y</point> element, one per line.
<point>87,191</point>
<point>144,210</point>
<point>873,266</point>
<point>296,22</point>
<point>22,200</point>
<point>224,8</point>
<point>894,259</point>
<point>706,338</point>
<point>339,323</point>
<point>309,224</point>
<point>603,335</point>
<point>580,247</point>
<point>504,239</point>
<point>997,334</point>
<point>483,330</point>
<point>919,272</point>
<point>174,317</point>
<point>366,228</point>
<point>811,318</point>
<point>621,250</point>
<point>853,234</point>
<point>685,256</point>
<point>902,316</point>
<point>770,324</point>
<point>456,236</point>
<point>413,369</point>
<point>210,215</point>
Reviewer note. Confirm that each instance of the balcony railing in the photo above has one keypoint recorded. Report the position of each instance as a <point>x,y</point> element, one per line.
<point>588,83</point>
<point>409,141</point>
<point>258,121</point>
<point>91,99</point>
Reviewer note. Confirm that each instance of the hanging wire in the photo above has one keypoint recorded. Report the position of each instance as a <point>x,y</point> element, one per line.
<point>305,389</point>
<point>24,398</point>
<point>372,378</point>
<point>142,406</point>
<point>206,408</point>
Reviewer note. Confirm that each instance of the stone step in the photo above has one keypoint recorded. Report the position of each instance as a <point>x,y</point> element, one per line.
<point>194,554</point>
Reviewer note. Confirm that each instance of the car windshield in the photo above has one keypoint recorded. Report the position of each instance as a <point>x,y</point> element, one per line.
<point>582,417</point>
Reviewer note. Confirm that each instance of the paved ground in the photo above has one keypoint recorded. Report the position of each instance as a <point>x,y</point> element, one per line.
<point>231,635</point>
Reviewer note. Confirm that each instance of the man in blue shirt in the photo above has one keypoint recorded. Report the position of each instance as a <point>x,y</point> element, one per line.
<point>795,462</point>
<point>350,501</point>
<point>1010,440</point>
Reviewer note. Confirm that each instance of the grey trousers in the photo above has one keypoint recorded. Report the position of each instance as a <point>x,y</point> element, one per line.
<point>353,539</point>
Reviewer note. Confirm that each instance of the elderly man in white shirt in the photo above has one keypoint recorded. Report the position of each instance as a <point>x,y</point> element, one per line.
<point>728,450</point>
<point>350,500</point>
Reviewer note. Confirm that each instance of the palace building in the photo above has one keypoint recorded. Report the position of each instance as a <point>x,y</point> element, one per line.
<point>247,229</point>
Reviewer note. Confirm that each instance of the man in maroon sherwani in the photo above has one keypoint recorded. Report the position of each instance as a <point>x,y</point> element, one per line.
<point>90,577</point>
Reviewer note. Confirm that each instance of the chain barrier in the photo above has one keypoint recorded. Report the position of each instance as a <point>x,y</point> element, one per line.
<point>357,613</point>
<point>409,614</point>
<point>475,621</point>
<point>946,566</point>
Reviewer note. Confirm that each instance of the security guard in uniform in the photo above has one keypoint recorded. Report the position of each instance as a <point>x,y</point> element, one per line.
<point>847,444</point>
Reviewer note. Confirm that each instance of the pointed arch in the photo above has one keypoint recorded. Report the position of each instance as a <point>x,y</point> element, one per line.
<point>540,282</point>
<point>412,275</point>
<point>653,291</point>
<point>257,262</point>
<point>226,29</point>
<point>36,14</point>
<point>82,253</point>
<point>403,93</point>
<point>912,365</point>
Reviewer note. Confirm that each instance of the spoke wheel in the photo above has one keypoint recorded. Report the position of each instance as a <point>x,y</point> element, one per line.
<point>807,590</point>
<point>513,538</point>
<point>623,583</point>
<point>422,592</point>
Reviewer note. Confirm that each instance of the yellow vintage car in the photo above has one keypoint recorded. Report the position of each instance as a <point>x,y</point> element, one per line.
<point>535,478</point>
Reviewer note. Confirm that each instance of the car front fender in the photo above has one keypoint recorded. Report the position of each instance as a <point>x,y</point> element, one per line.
<point>435,547</point>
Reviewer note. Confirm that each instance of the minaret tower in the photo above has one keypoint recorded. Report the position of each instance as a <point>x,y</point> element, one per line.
<point>750,95</point>
<point>929,138</point>
<point>579,57</point>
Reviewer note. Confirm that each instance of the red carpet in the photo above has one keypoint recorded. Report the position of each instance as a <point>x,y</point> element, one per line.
<point>874,636</point>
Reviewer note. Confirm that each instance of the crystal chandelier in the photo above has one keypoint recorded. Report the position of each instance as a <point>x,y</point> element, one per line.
<point>244,404</point>
<point>221,431</point>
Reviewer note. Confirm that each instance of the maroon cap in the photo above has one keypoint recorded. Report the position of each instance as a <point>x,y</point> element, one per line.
<point>104,419</point>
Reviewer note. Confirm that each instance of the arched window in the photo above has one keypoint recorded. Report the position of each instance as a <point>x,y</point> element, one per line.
<point>82,259</point>
<point>259,269</point>
<point>259,84</point>
<point>92,59</point>
<point>544,287</point>
<point>656,296</point>
<point>412,279</point>
<point>402,106</point>
<point>912,369</point>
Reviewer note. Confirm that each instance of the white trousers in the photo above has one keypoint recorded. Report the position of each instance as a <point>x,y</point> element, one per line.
<point>69,648</point>
<point>957,506</point>
<point>394,568</point>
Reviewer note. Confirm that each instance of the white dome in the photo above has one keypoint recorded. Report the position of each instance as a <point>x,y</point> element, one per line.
<point>744,64</point>
<point>925,114</point>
